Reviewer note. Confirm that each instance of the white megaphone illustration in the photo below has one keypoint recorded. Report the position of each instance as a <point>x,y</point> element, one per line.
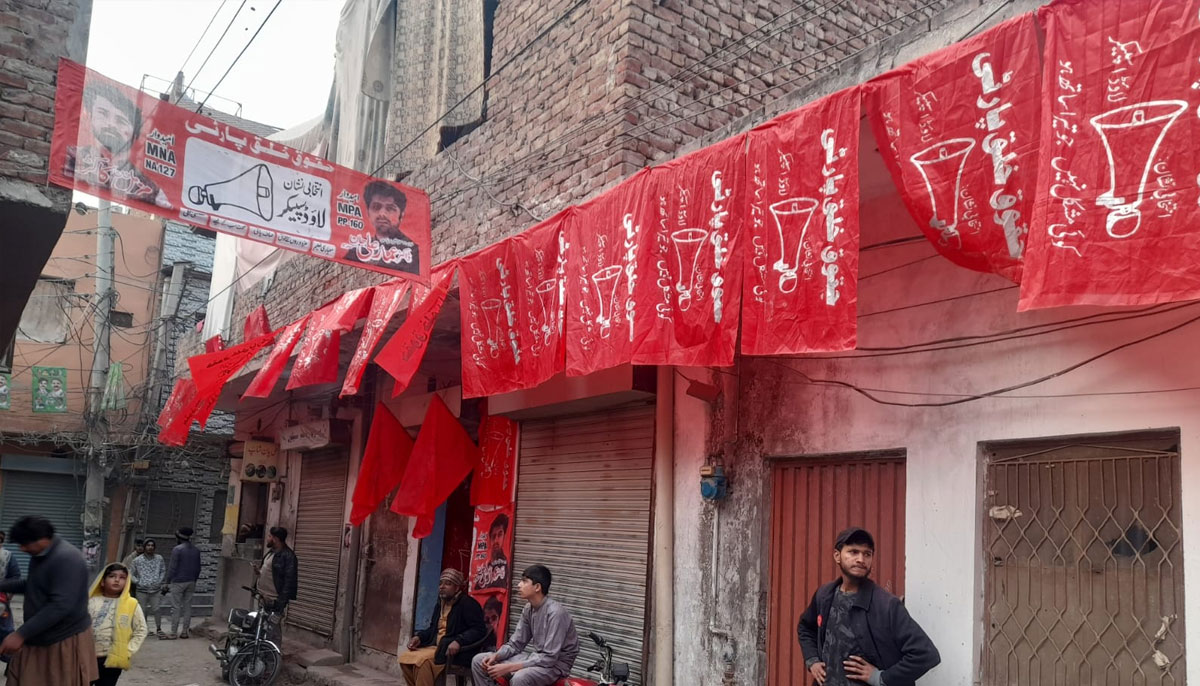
<point>253,190</point>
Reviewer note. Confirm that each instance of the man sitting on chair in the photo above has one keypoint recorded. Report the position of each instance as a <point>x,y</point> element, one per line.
<point>454,631</point>
<point>543,648</point>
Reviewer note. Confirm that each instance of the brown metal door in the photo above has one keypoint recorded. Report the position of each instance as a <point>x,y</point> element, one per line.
<point>387,553</point>
<point>318,540</point>
<point>1083,553</point>
<point>811,500</point>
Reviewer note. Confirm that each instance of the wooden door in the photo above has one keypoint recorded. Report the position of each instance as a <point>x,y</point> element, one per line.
<point>387,554</point>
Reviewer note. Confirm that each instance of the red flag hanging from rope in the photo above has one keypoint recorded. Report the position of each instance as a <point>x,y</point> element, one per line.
<point>1116,216</point>
<point>690,291</point>
<point>493,349</point>
<point>211,371</point>
<point>402,354</point>
<point>441,458</point>
<point>317,360</point>
<point>257,324</point>
<point>384,306</point>
<point>801,249</point>
<point>541,256</point>
<point>264,382</point>
<point>958,130</point>
<point>496,475</point>
<point>384,460</point>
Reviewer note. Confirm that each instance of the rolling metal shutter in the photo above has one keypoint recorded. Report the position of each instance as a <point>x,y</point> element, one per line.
<point>318,540</point>
<point>583,510</point>
<point>57,497</point>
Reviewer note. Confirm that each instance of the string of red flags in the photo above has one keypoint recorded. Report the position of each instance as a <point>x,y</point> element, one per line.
<point>1116,219</point>
<point>402,354</point>
<point>384,305</point>
<point>384,460</point>
<point>958,131</point>
<point>268,375</point>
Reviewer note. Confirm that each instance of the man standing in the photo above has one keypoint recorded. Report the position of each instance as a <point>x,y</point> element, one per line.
<point>54,646</point>
<point>277,574</point>
<point>149,570</point>
<point>454,628</point>
<point>855,632</point>
<point>494,574</point>
<point>182,574</point>
<point>543,648</point>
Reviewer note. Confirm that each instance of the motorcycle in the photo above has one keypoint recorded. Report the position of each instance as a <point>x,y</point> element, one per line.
<point>249,652</point>
<point>611,673</point>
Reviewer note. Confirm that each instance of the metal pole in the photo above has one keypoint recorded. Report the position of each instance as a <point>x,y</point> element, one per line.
<point>97,423</point>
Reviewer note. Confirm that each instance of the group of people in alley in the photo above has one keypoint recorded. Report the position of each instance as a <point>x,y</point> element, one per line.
<point>77,633</point>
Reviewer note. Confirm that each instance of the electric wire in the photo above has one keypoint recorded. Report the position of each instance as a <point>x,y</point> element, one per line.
<point>210,53</point>
<point>239,55</point>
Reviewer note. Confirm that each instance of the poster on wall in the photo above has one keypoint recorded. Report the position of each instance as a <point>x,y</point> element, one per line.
<point>491,550</point>
<point>50,389</point>
<point>119,143</point>
<point>5,394</point>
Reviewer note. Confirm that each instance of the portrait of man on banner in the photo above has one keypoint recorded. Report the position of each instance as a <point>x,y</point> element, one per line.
<point>49,389</point>
<point>489,554</point>
<point>388,246</point>
<point>103,155</point>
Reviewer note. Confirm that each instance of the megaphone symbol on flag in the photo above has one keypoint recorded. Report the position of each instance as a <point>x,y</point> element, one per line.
<point>252,190</point>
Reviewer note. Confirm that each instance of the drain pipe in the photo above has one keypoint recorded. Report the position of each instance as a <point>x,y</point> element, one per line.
<point>664,529</point>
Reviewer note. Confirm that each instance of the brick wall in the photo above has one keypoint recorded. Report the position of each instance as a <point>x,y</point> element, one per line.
<point>595,100</point>
<point>33,35</point>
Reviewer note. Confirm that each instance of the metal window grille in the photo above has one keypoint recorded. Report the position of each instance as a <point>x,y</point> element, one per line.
<point>1083,581</point>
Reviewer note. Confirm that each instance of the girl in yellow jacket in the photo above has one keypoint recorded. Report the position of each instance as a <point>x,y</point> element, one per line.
<point>118,625</point>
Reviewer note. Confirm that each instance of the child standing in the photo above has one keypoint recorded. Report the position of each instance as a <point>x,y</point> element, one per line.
<point>118,625</point>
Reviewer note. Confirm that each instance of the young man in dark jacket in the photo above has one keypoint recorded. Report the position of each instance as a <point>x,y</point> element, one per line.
<point>454,631</point>
<point>855,632</point>
<point>54,646</point>
<point>182,573</point>
<point>277,579</point>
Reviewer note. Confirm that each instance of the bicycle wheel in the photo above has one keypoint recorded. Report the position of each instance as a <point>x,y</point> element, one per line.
<point>255,666</point>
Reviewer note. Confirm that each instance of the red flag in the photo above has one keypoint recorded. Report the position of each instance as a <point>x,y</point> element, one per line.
<point>317,361</point>
<point>384,459</point>
<point>211,371</point>
<point>493,350</point>
<point>443,456</point>
<point>183,394</point>
<point>958,130</point>
<point>215,344</point>
<point>184,405</point>
<point>496,475</point>
<point>606,235</point>
<point>1116,220</point>
<point>801,249</point>
<point>690,288</point>
<point>401,355</point>
<point>541,258</point>
<point>384,305</point>
<point>264,382</point>
<point>257,324</point>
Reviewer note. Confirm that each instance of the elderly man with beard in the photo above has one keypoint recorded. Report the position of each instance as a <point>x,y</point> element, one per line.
<point>389,247</point>
<point>116,122</point>
<point>854,632</point>
<point>454,630</point>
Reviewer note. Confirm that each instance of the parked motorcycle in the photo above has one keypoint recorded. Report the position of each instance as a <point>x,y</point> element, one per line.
<point>611,673</point>
<point>249,652</point>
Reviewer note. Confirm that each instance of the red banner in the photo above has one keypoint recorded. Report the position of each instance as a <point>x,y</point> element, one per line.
<point>958,130</point>
<point>492,346</point>
<point>264,382</point>
<point>384,306</point>
<point>317,361</point>
<point>541,254</point>
<point>116,142</point>
<point>690,289</point>
<point>1117,220</point>
<point>496,475</point>
<point>211,371</point>
<point>605,237</point>
<point>401,355</point>
<point>490,573</point>
<point>801,252</point>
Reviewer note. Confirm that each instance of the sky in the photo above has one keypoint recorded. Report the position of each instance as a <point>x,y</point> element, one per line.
<point>282,80</point>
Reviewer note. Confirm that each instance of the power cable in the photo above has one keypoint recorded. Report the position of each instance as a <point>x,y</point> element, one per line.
<point>210,53</point>
<point>201,38</point>
<point>239,55</point>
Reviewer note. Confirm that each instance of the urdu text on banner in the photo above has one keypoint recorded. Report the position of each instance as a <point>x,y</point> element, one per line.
<point>118,143</point>
<point>1116,220</point>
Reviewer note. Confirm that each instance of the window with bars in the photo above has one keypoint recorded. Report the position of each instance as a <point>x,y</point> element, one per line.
<point>169,510</point>
<point>1083,563</point>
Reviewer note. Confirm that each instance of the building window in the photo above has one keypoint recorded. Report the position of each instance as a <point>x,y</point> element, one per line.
<point>123,320</point>
<point>47,315</point>
<point>218,516</point>
<point>168,511</point>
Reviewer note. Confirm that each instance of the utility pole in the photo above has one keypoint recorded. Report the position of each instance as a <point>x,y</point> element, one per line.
<point>97,422</point>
